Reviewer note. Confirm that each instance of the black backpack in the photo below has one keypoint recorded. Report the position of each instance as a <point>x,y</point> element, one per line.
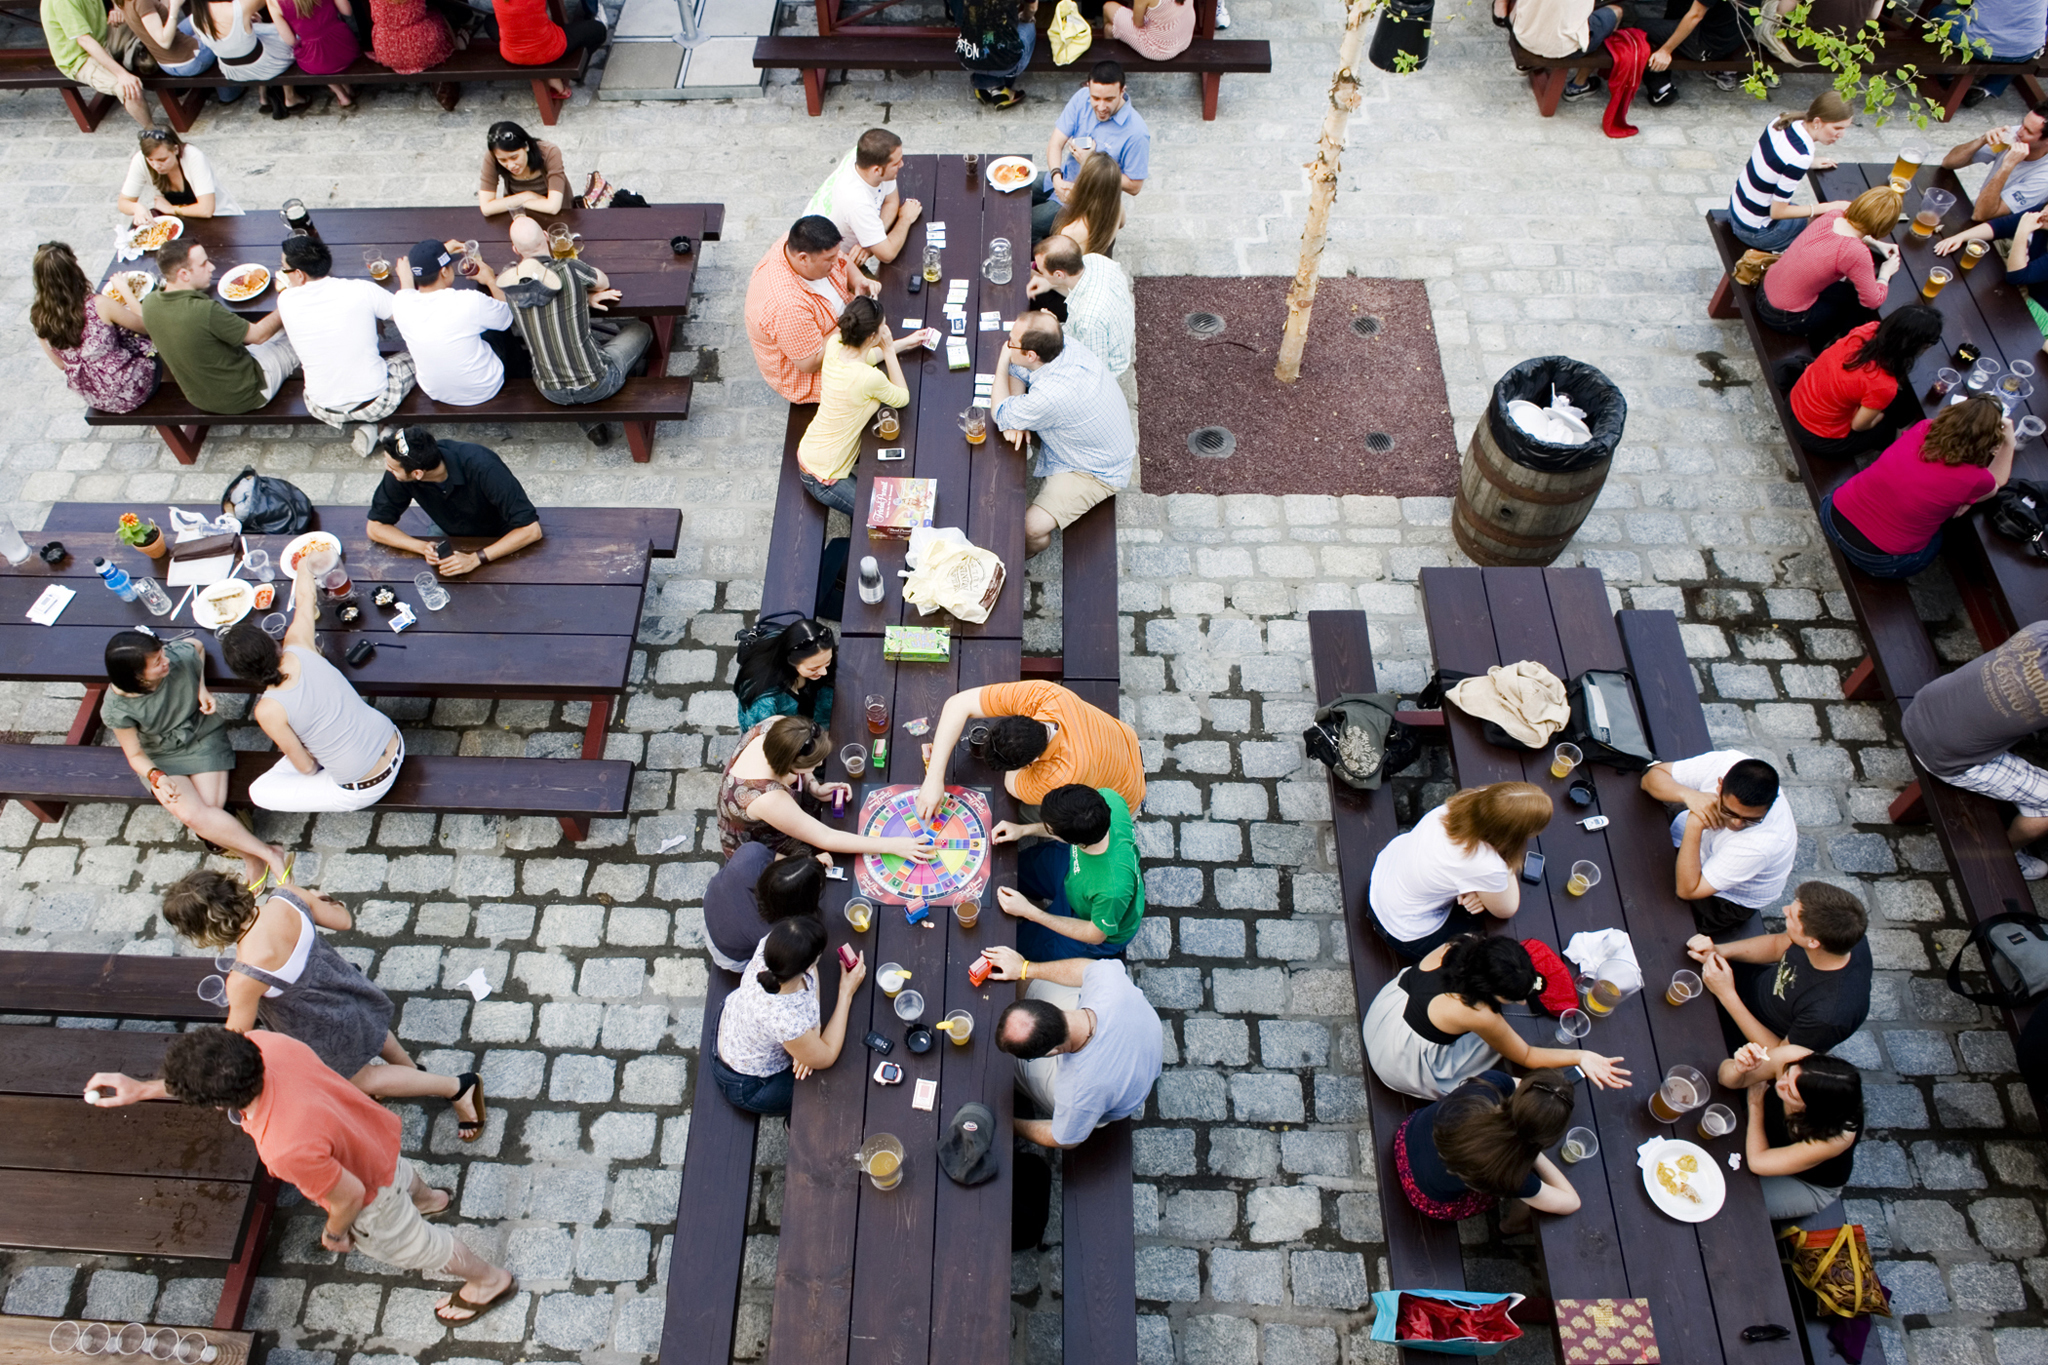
<point>764,633</point>
<point>1358,739</point>
<point>267,506</point>
<point>2015,949</point>
<point>2020,510</point>
<point>1607,723</point>
<point>989,40</point>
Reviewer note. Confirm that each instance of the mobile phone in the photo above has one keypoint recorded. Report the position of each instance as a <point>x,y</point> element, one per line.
<point>1593,822</point>
<point>888,1073</point>
<point>835,874</point>
<point>1532,868</point>
<point>443,548</point>
<point>916,285</point>
<point>877,1044</point>
<point>890,453</point>
<point>848,958</point>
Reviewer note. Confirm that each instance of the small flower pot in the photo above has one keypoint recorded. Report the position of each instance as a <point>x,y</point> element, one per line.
<point>156,547</point>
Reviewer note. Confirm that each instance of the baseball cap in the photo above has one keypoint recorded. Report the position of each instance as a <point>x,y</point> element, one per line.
<point>967,1152</point>
<point>428,258</point>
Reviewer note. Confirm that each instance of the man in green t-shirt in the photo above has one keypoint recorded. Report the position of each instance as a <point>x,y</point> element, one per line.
<point>83,42</point>
<point>1086,867</point>
<point>222,362</point>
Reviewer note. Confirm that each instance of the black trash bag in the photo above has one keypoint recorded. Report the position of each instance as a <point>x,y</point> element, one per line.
<point>1402,33</point>
<point>267,506</point>
<point>1590,391</point>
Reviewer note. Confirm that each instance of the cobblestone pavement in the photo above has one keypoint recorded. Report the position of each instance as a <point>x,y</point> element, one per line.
<point>1256,1207</point>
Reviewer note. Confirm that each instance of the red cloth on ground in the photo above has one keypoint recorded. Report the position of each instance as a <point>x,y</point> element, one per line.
<point>1630,48</point>
<point>1559,991</point>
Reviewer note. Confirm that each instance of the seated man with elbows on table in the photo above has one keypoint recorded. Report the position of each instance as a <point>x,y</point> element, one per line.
<point>1084,866</point>
<point>794,298</point>
<point>1062,391</point>
<point>1087,1041</point>
<point>464,488</point>
<point>1041,736</point>
<point>1099,118</point>
<point>861,200</point>
<point>1793,993</point>
<point>1736,839</point>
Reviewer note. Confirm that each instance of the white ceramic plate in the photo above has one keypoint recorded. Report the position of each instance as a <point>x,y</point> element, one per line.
<point>287,562</point>
<point>235,280</point>
<point>135,285</point>
<point>1029,179</point>
<point>221,604</point>
<point>1707,1181</point>
<point>177,231</point>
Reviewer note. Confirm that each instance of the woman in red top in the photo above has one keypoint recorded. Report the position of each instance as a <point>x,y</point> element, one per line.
<point>408,37</point>
<point>1887,519</point>
<point>1841,398</point>
<point>1829,280</point>
<point>528,36</point>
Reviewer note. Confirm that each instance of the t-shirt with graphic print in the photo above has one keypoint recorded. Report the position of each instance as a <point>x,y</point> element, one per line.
<point>1808,1007</point>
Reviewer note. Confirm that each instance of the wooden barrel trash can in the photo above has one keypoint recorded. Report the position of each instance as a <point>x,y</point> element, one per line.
<point>1521,499</point>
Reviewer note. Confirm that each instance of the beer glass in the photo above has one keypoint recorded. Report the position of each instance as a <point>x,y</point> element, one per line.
<point>258,565</point>
<point>2016,376</point>
<point>967,911</point>
<point>2012,401</point>
<point>1684,986</point>
<point>1716,1120</point>
<point>275,625</point>
<point>887,425</point>
<point>194,1349</point>
<point>1578,1144</point>
<point>931,265</point>
<point>890,977</point>
<point>909,1005</point>
<point>1615,982</point>
<point>959,1026</point>
<point>92,1340</point>
<point>1684,1090</point>
<point>1999,140</point>
<point>1973,252</point>
<point>560,246</point>
<point>13,548</point>
<point>1563,759</point>
<point>854,758</point>
<point>214,990</point>
<point>1934,206</point>
<point>152,595</point>
<point>1982,373</point>
<point>131,1339</point>
<point>1906,164</point>
<point>860,914</point>
<point>1937,280</point>
<point>974,422</point>
<point>881,1159</point>
<point>377,263</point>
<point>878,714</point>
<point>163,1344</point>
<point>1572,1025</point>
<point>1585,876</point>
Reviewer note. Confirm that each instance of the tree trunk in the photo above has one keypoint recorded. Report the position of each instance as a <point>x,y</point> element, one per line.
<point>1344,99</point>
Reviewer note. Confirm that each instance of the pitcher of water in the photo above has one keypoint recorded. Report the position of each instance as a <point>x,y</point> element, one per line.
<point>997,267</point>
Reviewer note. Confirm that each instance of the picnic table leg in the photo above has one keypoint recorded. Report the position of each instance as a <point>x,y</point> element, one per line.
<point>2032,88</point>
<point>448,94</point>
<point>544,100</point>
<point>1722,305</point>
<point>1549,87</point>
<point>181,111</point>
<point>87,116</point>
<point>814,90</point>
<point>1862,683</point>
<point>601,707</point>
<point>85,729</point>
<point>241,1278</point>
<point>640,440</point>
<point>183,441</point>
<point>1910,808</point>
<point>657,354</point>
<point>1212,86</point>
<point>1982,608</point>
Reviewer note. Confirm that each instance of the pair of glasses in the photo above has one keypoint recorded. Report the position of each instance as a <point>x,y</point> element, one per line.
<point>154,135</point>
<point>1734,821</point>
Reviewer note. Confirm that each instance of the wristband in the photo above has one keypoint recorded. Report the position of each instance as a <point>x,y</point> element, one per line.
<point>1024,972</point>
<point>154,774</point>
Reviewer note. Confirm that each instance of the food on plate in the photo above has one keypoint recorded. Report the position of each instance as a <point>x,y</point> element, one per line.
<point>130,286</point>
<point>222,602</point>
<point>245,284</point>
<point>316,542</point>
<point>1689,1163</point>
<point>1009,174</point>
<point>156,232</point>
<point>1670,1181</point>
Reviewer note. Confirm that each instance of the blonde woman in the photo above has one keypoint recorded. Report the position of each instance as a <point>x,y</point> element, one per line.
<point>1454,873</point>
<point>1834,278</point>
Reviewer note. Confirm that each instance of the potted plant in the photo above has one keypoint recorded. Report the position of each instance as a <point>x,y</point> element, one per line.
<point>141,535</point>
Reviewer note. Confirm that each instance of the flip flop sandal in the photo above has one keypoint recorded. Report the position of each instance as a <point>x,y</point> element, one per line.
<point>472,1085</point>
<point>470,1309</point>
<point>448,1207</point>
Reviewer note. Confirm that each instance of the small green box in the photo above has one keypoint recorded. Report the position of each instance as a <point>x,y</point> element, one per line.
<point>917,644</point>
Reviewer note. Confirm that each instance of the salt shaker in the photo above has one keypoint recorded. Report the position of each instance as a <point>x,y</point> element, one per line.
<point>870,580</point>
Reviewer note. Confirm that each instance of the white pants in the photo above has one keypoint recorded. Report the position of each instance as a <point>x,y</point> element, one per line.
<point>284,787</point>
<point>1036,1076</point>
<point>279,362</point>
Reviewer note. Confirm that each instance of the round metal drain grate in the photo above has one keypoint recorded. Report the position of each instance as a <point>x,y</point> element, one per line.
<point>1379,442</point>
<point>1212,443</point>
<point>1205,325</point>
<point>1365,326</point>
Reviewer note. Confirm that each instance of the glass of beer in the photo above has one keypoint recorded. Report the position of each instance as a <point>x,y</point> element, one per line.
<point>1937,280</point>
<point>1585,876</point>
<point>854,758</point>
<point>1684,1090</point>
<point>877,713</point>
<point>1934,206</point>
<point>959,1026</point>
<point>890,976</point>
<point>1684,986</point>
<point>881,1159</point>
<point>1906,164</point>
<point>1578,1144</point>
<point>1572,1025</point>
<point>472,262</point>
<point>967,911</point>
<point>1615,982</point>
<point>887,424</point>
<point>1716,1120</point>
<point>931,265</point>
<point>1998,140</point>
<point>1973,252</point>
<point>1563,759</point>
<point>376,262</point>
<point>974,422</point>
<point>560,245</point>
<point>860,914</point>
<point>2016,377</point>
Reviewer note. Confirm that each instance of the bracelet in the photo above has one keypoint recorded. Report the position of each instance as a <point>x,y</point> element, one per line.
<point>1024,972</point>
<point>154,774</point>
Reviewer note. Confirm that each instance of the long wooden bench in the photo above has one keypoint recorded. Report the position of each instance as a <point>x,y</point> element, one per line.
<point>156,1179</point>
<point>815,57</point>
<point>26,1341</point>
<point>1421,1252</point>
<point>638,406</point>
<point>182,96</point>
<point>796,540</point>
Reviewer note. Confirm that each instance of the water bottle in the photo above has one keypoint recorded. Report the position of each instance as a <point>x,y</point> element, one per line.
<point>153,596</point>
<point>870,580</point>
<point>116,579</point>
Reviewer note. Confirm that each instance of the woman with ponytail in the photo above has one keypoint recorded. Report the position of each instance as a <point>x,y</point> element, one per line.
<point>769,1034</point>
<point>1761,210</point>
<point>1483,1143</point>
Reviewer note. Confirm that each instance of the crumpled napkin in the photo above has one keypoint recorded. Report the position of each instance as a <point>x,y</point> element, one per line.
<point>1560,424</point>
<point>190,525</point>
<point>1588,951</point>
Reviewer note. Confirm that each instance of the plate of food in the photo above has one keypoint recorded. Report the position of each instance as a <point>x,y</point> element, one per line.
<point>130,286</point>
<point>244,282</point>
<point>155,233</point>
<point>221,604</point>
<point>1011,173</point>
<point>1683,1180</point>
<point>313,543</point>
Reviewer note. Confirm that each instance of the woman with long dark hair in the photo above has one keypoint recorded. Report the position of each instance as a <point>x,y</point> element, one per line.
<point>168,176</point>
<point>99,342</point>
<point>1483,1143</point>
<point>792,676</point>
<point>770,789</point>
<point>771,1032</point>
<point>1804,1120</point>
<point>520,172</point>
<point>1094,212</point>
<point>1856,395</point>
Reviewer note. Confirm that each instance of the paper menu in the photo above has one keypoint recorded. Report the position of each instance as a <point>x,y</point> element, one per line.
<point>51,604</point>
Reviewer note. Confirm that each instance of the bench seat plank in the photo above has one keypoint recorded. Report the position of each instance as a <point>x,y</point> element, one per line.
<point>123,1215</point>
<point>658,528</point>
<point>50,1133</point>
<point>797,538</point>
<point>36,1059</point>
<point>1089,647</point>
<point>107,985</point>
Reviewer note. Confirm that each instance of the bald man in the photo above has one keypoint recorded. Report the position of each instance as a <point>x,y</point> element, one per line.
<point>575,359</point>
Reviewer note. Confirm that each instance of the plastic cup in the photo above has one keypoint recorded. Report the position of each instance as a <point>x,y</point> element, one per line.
<point>1973,252</point>
<point>1944,384</point>
<point>1573,1025</point>
<point>890,976</point>
<point>93,1339</point>
<point>1613,983</point>
<point>1937,279</point>
<point>1684,986</point>
<point>434,598</point>
<point>860,914</point>
<point>909,1006</point>
<point>214,990</point>
<point>1982,373</point>
<point>877,714</point>
<point>854,758</point>
<point>194,1349</point>
<point>2027,428</point>
<point>1578,1144</point>
<point>163,1344</point>
<point>64,1338</point>
<point>258,566</point>
<point>275,625</point>
<point>131,1340</point>
<point>967,912</point>
<point>1683,1090</point>
<point>1585,876</point>
<point>1716,1120</point>
<point>959,1026</point>
<point>1563,759</point>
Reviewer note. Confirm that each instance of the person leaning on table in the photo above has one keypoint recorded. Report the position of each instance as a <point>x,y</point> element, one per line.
<point>771,1031</point>
<point>1088,1044</point>
<point>1058,389</point>
<point>1483,1143</point>
<point>465,489</point>
<point>168,176</point>
<point>222,363</point>
<point>1805,1116</point>
<point>1801,991</point>
<point>1736,838</point>
<point>340,753</point>
<point>1084,866</point>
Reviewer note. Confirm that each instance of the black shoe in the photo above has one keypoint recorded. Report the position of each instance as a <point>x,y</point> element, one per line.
<point>1975,96</point>
<point>1576,90</point>
<point>1006,97</point>
<point>599,435</point>
<point>1667,95</point>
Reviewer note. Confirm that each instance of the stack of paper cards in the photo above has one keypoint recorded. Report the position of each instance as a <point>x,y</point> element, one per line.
<point>935,235</point>
<point>956,354</point>
<point>991,321</point>
<point>956,290</point>
<point>51,604</point>
<point>984,384</point>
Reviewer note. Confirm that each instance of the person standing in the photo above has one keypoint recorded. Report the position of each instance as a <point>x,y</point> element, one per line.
<point>467,491</point>
<point>1087,1041</point>
<point>350,384</point>
<point>1098,118</point>
<point>1062,391</point>
<point>223,363</point>
<point>460,339</point>
<point>794,299</point>
<point>1963,725</point>
<point>861,199</point>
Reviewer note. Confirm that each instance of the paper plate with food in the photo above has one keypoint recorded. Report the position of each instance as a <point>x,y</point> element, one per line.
<point>244,282</point>
<point>1009,173</point>
<point>130,286</point>
<point>155,233</point>
<point>312,543</point>
<point>221,604</point>
<point>1683,1180</point>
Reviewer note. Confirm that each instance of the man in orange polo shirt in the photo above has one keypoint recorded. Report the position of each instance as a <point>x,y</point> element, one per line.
<point>1043,737</point>
<point>793,304</point>
<point>314,1129</point>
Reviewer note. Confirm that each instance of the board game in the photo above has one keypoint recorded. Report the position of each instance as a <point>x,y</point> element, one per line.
<point>960,829</point>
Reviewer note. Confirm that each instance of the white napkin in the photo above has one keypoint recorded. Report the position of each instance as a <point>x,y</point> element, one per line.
<point>1587,951</point>
<point>51,604</point>
<point>477,985</point>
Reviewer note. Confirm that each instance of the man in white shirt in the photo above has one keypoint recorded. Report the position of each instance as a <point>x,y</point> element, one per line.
<point>446,328</point>
<point>333,326</point>
<point>1736,838</point>
<point>2018,157</point>
<point>1101,312</point>
<point>861,200</point>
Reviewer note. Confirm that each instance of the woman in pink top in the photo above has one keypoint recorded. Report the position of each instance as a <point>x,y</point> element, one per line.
<point>1887,519</point>
<point>1829,281</point>
<point>1154,29</point>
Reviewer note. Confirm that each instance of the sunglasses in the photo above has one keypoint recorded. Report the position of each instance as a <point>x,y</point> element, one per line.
<point>154,135</point>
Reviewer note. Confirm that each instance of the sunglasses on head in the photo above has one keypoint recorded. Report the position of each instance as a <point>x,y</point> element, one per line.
<point>154,135</point>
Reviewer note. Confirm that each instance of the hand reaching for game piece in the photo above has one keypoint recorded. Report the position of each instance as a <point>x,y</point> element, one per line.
<point>1015,902</point>
<point>917,850</point>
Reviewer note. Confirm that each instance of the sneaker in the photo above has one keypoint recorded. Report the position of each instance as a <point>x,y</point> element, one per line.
<point>2032,868</point>
<point>598,435</point>
<point>1005,97</point>
<point>365,437</point>
<point>1668,95</point>
<point>1578,90</point>
<point>1975,96</point>
<point>1727,80</point>
<point>1223,14</point>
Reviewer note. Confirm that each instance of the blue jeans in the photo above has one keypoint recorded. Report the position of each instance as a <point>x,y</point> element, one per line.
<point>1779,235</point>
<point>839,494</point>
<point>771,1095</point>
<point>1457,920</point>
<point>1876,565</point>
<point>1042,875</point>
<point>1996,85</point>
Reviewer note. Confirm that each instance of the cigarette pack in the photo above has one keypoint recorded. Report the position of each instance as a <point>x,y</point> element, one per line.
<point>1606,1332</point>
<point>898,505</point>
<point>917,644</point>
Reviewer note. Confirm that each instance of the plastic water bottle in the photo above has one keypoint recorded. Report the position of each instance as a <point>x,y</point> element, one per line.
<point>870,580</point>
<point>116,578</point>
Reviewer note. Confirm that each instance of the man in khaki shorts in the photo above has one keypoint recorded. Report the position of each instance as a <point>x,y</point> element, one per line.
<point>92,53</point>
<point>313,1128</point>
<point>1071,401</point>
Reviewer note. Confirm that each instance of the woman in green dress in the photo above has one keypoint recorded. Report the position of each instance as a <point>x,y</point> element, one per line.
<point>159,707</point>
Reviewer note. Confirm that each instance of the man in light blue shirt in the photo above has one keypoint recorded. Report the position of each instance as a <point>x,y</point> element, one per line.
<point>1087,1042</point>
<point>1085,445</point>
<point>1994,31</point>
<point>1100,112</point>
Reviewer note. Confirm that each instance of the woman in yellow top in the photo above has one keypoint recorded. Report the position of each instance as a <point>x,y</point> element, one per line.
<point>850,390</point>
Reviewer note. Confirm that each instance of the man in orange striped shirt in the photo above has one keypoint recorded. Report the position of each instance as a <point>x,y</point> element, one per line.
<point>1042,737</point>
<point>793,303</point>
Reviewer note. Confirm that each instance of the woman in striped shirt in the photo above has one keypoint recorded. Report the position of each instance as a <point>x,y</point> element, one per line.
<point>1761,210</point>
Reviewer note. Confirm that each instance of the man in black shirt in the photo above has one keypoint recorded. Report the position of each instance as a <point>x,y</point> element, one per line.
<point>465,488</point>
<point>1798,992</point>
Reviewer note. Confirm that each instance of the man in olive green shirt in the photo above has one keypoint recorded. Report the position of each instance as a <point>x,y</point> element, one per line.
<point>1085,867</point>
<point>83,45</point>
<point>221,362</point>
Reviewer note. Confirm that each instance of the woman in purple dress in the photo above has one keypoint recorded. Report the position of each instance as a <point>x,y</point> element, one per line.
<point>327,45</point>
<point>97,340</point>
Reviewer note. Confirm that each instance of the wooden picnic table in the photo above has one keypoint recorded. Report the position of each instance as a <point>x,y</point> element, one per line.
<point>2002,587</point>
<point>1705,1281</point>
